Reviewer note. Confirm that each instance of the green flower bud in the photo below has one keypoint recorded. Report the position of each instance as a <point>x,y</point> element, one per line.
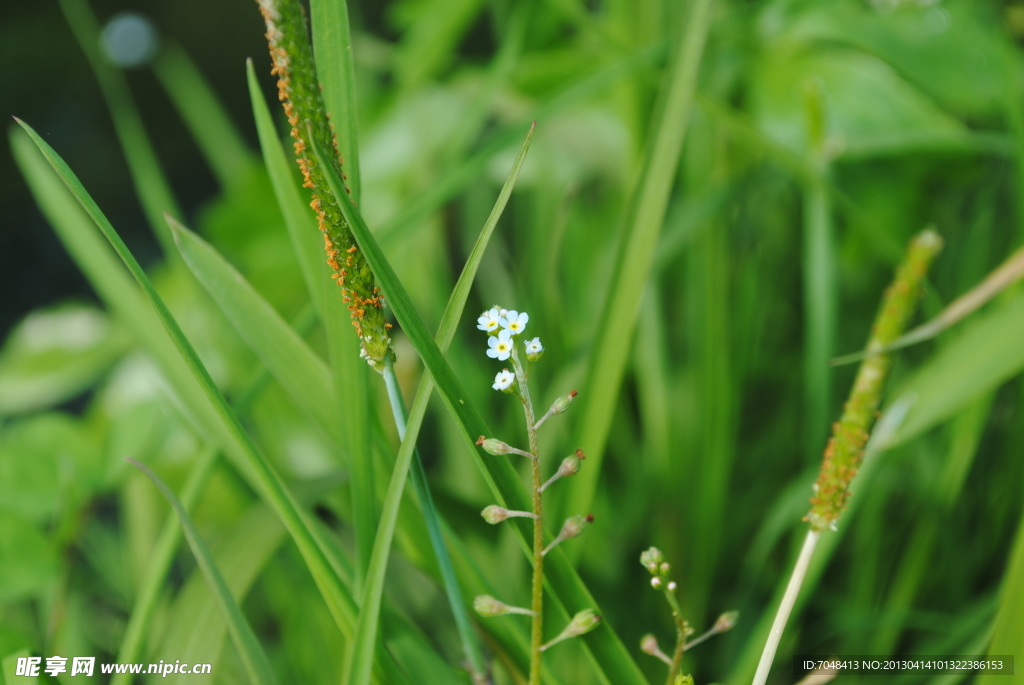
<point>726,621</point>
<point>562,403</point>
<point>488,606</point>
<point>495,514</point>
<point>581,624</point>
<point>492,446</point>
<point>574,526</point>
<point>649,645</point>
<point>652,559</point>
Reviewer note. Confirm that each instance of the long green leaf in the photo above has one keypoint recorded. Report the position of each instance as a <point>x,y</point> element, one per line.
<point>987,353</point>
<point>150,182</point>
<point>233,436</point>
<point>603,646</point>
<point>288,358</point>
<point>335,69</point>
<point>409,430</point>
<point>249,650</point>
<point>636,255</point>
<point>218,138</point>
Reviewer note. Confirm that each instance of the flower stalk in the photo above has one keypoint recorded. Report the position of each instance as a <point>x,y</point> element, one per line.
<point>503,328</point>
<point>845,450</point>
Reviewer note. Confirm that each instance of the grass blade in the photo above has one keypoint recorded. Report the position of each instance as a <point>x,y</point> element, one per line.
<point>636,255</point>
<point>253,658</point>
<point>221,419</point>
<point>211,127</point>
<point>987,353</point>
<point>286,355</point>
<point>332,50</point>
<point>603,646</point>
<point>409,431</point>
<point>150,182</point>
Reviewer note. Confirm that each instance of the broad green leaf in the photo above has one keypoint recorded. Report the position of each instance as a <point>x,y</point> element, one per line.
<point>605,649</point>
<point>409,431</point>
<point>257,667</point>
<point>216,413</point>
<point>218,138</point>
<point>635,255</point>
<point>987,353</point>
<point>335,69</point>
<point>148,178</point>
<point>54,354</point>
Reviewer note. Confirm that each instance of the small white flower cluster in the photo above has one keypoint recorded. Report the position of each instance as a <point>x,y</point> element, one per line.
<point>502,327</point>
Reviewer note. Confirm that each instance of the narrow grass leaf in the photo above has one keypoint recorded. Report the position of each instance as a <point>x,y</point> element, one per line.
<point>335,69</point>
<point>635,256</point>
<point>296,214</point>
<point>238,443</point>
<point>987,353</point>
<point>609,655</point>
<point>208,122</point>
<point>10,668</point>
<point>257,667</point>
<point>1008,633</point>
<point>408,428</point>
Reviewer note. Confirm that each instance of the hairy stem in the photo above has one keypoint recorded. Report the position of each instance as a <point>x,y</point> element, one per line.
<point>681,634</point>
<point>537,604</point>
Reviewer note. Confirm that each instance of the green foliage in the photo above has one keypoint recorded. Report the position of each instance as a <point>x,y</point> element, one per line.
<point>690,287</point>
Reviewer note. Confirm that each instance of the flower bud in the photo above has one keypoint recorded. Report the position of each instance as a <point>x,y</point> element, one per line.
<point>671,586</point>
<point>581,624</point>
<point>649,645</point>
<point>574,526</point>
<point>488,606</point>
<point>562,403</point>
<point>571,464</point>
<point>651,559</point>
<point>726,621</point>
<point>683,680</point>
<point>656,582</point>
<point>664,568</point>
<point>494,514</point>
<point>492,446</point>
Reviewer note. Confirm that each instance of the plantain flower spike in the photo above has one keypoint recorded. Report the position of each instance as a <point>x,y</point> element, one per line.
<point>299,91</point>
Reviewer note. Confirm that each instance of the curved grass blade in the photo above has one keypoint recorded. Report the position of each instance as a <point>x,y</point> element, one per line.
<point>1001,278</point>
<point>613,336</point>
<point>332,51</point>
<point>409,430</point>
<point>170,534</point>
<point>223,421</point>
<point>287,356</point>
<point>211,127</point>
<point>150,182</point>
<point>257,667</point>
<point>610,657</point>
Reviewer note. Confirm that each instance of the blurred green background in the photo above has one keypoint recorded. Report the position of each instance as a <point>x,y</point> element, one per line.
<point>824,134</point>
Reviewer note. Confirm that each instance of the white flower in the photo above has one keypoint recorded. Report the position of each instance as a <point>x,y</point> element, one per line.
<point>488,321</point>
<point>514,322</point>
<point>504,380</point>
<point>500,346</point>
<point>534,346</point>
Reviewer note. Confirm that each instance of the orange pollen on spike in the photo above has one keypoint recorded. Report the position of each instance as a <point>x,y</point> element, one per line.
<point>352,249</point>
<point>388,326</point>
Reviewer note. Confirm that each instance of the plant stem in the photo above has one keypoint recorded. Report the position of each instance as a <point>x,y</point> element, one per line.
<point>470,645</point>
<point>681,635</point>
<point>537,604</point>
<point>788,600</point>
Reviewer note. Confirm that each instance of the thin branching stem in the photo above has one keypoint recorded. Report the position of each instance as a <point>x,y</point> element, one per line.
<point>537,604</point>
